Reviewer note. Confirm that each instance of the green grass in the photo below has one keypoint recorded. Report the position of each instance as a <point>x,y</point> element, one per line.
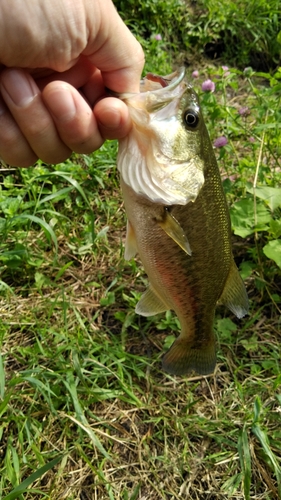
<point>86,411</point>
<point>242,33</point>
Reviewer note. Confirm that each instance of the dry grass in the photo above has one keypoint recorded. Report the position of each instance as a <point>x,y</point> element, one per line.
<point>81,375</point>
<point>167,438</point>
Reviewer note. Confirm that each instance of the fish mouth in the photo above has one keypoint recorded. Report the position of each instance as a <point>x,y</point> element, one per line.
<point>172,80</point>
<point>156,84</point>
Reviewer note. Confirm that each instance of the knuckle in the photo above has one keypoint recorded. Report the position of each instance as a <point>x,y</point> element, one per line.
<point>37,132</point>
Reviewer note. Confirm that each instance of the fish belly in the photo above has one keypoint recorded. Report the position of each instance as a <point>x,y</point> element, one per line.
<point>188,284</point>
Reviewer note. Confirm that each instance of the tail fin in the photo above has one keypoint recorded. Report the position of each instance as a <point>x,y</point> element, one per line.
<point>184,357</point>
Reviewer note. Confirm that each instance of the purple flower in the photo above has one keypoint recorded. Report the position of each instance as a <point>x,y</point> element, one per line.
<point>220,142</point>
<point>251,139</point>
<point>158,37</point>
<point>195,74</point>
<point>248,71</point>
<point>208,86</point>
<point>244,111</point>
<point>225,70</point>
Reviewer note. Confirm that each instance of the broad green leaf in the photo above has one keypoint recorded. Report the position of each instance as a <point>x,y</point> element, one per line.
<point>135,493</point>
<point>251,344</point>
<point>63,269</point>
<point>246,269</point>
<point>273,251</point>
<point>257,409</point>
<point>35,382</point>
<point>275,228</point>
<point>226,326</point>
<point>271,195</point>
<point>243,218</point>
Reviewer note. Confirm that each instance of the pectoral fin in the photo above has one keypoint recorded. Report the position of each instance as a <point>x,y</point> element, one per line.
<point>234,295</point>
<point>150,303</point>
<point>173,229</point>
<point>130,242</point>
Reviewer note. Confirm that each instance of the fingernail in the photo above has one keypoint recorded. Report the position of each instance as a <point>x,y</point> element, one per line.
<point>110,119</point>
<point>61,103</point>
<point>109,113</point>
<point>19,86</point>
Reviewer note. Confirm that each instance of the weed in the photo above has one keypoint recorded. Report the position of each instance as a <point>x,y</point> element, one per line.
<point>243,33</point>
<point>85,409</point>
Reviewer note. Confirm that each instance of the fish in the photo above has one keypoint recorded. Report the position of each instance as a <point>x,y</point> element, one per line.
<point>177,218</point>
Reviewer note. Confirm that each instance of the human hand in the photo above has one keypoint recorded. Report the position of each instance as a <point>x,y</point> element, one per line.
<point>56,58</point>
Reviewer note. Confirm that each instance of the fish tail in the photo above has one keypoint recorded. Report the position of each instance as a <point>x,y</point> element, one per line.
<point>186,356</point>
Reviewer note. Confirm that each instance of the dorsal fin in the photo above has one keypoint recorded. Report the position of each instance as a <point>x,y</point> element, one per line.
<point>234,295</point>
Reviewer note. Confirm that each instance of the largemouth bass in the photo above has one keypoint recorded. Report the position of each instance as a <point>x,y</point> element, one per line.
<point>178,220</point>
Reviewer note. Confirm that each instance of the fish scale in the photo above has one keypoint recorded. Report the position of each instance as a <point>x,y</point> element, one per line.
<point>185,247</point>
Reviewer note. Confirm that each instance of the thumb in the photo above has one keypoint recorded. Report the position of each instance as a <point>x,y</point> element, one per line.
<point>115,51</point>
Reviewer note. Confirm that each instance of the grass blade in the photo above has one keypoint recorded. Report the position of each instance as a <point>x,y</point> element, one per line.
<point>2,377</point>
<point>263,439</point>
<point>46,227</point>
<point>68,179</point>
<point>81,420</point>
<point>21,488</point>
<point>50,197</point>
<point>4,286</point>
<point>245,461</point>
<point>80,190</point>
<point>86,427</point>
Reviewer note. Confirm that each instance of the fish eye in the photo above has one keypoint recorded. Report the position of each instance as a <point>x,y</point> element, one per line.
<point>191,118</point>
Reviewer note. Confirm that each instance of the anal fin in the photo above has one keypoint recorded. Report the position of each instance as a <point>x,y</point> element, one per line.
<point>234,295</point>
<point>150,304</point>
<point>173,229</point>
